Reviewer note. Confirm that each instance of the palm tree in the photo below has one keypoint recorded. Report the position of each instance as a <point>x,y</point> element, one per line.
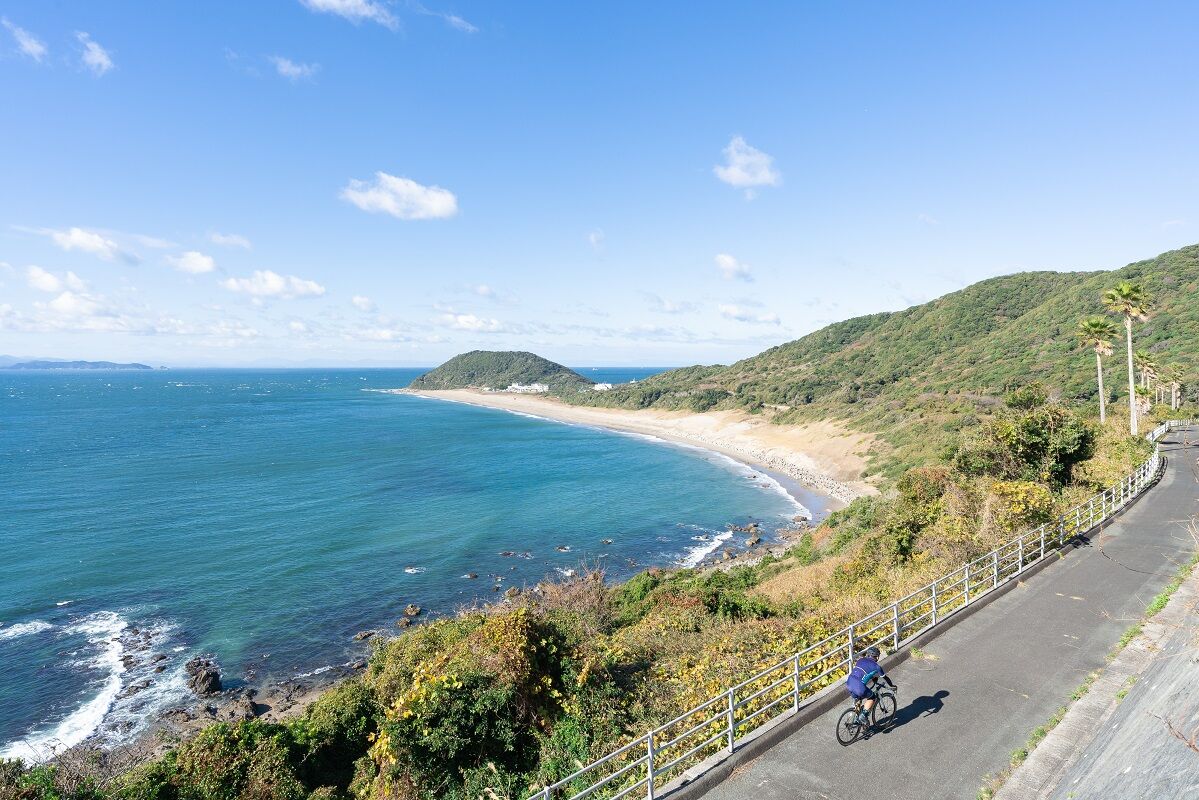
<point>1097,333</point>
<point>1144,364</point>
<point>1174,375</point>
<point>1144,400</point>
<point>1129,300</point>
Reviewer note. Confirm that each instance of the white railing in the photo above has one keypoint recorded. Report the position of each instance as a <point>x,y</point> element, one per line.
<point>652,760</point>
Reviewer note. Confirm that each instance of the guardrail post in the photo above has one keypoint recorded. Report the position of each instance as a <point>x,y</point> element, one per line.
<point>967,585</point>
<point>732,724</point>
<point>649,765</point>
<point>934,602</point>
<point>795,679</point>
<point>895,617</point>
<point>995,569</point>
<point>1042,529</point>
<point>1020,555</point>
<point>852,644</point>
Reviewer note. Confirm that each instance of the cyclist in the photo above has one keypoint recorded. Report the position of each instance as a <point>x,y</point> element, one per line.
<point>866,673</point>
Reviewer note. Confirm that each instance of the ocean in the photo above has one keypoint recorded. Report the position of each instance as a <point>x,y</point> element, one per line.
<point>266,516</point>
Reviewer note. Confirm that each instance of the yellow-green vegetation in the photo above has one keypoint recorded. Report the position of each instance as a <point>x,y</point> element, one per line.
<point>499,701</point>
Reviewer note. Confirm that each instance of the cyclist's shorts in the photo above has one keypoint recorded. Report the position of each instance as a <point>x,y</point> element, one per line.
<point>858,690</point>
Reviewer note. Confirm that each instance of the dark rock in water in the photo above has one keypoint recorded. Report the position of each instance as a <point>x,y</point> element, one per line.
<point>507,554</point>
<point>472,575</point>
<point>358,665</point>
<point>412,610</point>
<point>134,688</point>
<point>160,668</point>
<point>203,676</point>
<point>159,657</point>
<point>363,635</point>
<point>177,715</point>
<point>513,592</point>
<point>563,548</point>
<point>403,622</point>
<point>239,709</point>
<point>753,540</point>
<point>605,541</point>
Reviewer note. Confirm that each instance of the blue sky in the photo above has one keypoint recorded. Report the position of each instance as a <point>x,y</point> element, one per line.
<point>364,181</point>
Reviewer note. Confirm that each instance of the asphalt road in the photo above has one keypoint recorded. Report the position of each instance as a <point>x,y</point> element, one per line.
<point>1135,755</point>
<point>988,681</point>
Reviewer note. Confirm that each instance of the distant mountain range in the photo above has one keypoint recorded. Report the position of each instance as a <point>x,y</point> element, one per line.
<point>48,364</point>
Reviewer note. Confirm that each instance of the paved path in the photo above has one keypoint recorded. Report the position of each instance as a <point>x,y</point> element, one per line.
<point>1134,756</point>
<point>996,675</point>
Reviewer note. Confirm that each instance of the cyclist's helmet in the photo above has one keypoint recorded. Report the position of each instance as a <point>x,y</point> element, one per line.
<point>872,653</point>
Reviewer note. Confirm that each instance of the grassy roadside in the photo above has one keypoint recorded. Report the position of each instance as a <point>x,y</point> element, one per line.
<point>993,783</point>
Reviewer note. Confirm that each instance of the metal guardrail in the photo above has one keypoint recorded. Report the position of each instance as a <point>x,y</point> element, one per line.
<point>652,760</point>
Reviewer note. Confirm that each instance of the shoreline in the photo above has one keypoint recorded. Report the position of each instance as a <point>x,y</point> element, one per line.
<point>819,458</point>
<point>771,450</point>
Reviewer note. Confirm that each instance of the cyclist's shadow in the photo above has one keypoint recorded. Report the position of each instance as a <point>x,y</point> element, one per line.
<point>923,706</point>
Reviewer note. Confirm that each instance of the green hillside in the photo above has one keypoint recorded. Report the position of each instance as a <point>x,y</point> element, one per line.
<point>916,375</point>
<point>490,369</point>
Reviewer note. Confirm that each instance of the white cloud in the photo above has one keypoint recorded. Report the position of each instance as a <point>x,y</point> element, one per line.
<point>294,70</point>
<point>483,290</point>
<point>74,304</point>
<point>459,23</point>
<point>355,11</point>
<point>229,240</point>
<point>29,44</point>
<point>596,239</point>
<point>363,303</point>
<point>469,322</point>
<point>42,280</point>
<point>401,197</point>
<point>745,315</point>
<point>154,242</point>
<point>86,241</point>
<point>453,20</point>
<point>295,326</point>
<point>1173,223</point>
<point>664,306</point>
<point>380,335</point>
<point>265,283</point>
<point>95,57</point>
<point>747,167</point>
<point>193,261</point>
<point>927,219</point>
<point>732,269</point>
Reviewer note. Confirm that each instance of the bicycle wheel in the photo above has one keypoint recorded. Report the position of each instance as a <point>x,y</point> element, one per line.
<point>848,727</point>
<point>883,713</point>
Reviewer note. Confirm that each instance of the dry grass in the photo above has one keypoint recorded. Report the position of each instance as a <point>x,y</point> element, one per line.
<point>799,582</point>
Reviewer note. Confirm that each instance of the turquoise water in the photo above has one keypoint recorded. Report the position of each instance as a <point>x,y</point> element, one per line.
<point>265,517</point>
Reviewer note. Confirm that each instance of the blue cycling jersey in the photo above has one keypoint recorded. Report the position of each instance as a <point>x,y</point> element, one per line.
<point>864,671</point>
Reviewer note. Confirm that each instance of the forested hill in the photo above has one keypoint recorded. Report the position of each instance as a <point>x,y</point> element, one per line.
<point>498,370</point>
<point>902,374</point>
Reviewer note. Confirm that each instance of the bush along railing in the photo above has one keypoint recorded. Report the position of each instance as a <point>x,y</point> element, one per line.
<point>646,764</point>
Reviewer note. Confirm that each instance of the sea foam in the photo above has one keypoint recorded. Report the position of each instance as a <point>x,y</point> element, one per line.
<point>103,630</point>
<point>24,629</point>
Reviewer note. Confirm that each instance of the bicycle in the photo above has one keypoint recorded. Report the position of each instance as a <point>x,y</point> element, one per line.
<point>850,728</point>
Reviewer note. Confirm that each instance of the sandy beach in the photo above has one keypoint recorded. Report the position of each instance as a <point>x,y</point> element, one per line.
<point>823,456</point>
